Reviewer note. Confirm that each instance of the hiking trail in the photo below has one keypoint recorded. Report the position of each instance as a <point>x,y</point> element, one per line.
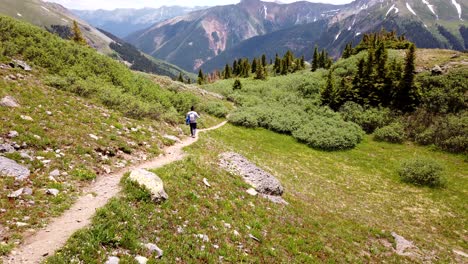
<point>47,240</point>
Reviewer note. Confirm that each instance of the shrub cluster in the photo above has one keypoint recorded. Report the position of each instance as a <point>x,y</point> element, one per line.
<point>217,109</point>
<point>422,172</point>
<point>369,119</point>
<point>393,133</point>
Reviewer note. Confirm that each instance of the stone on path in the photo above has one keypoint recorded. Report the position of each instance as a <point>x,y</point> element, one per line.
<point>112,260</point>
<point>10,168</point>
<point>151,182</point>
<point>153,248</point>
<point>173,138</point>
<point>9,101</point>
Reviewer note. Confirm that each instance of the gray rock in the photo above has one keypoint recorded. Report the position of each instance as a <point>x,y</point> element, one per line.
<point>112,260</point>
<point>6,148</point>
<point>153,248</point>
<point>49,113</point>
<point>173,138</point>
<point>436,70</point>
<point>27,118</point>
<point>252,191</point>
<point>9,101</point>
<point>404,247</point>
<point>23,65</point>
<point>54,173</point>
<point>10,168</point>
<point>25,155</point>
<point>12,134</point>
<point>27,191</point>
<point>151,182</point>
<point>262,181</point>
<point>53,192</point>
<point>141,259</point>
<point>16,193</point>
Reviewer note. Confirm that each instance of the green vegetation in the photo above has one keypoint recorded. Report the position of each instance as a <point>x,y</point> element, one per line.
<point>422,172</point>
<point>343,207</point>
<point>394,133</point>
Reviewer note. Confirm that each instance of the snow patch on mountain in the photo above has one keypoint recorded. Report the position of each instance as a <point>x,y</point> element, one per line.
<point>431,7</point>
<point>393,7</point>
<point>43,7</point>
<point>18,14</point>
<point>265,9</point>
<point>410,9</point>
<point>358,33</point>
<point>458,7</point>
<point>337,35</point>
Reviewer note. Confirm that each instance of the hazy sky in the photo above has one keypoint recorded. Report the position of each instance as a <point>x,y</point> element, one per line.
<point>113,4</point>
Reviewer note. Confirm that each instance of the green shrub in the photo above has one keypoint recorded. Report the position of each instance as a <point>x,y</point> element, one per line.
<point>422,172</point>
<point>216,109</point>
<point>244,118</point>
<point>369,119</point>
<point>394,133</point>
<point>329,134</point>
<point>83,174</point>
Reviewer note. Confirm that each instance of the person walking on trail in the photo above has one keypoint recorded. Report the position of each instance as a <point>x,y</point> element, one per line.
<point>191,119</point>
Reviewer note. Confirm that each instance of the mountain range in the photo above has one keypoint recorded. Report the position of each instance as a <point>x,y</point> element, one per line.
<point>123,21</point>
<point>210,38</point>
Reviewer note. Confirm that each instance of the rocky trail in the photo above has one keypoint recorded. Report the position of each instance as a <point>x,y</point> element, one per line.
<point>51,238</point>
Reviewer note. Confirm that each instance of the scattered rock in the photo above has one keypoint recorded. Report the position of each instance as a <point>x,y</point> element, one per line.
<point>49,113</point>
<point>9,101</point>
<point>23,65</point>
<point>403,247</point>
<point>203,237</point>
<point>205,181</point>
<point>252,192</point>
<point>460,253</point>
<point>153,248</point>
<point>141,259</point>
<point>16,193</point>
<point>10,168</point>
<point>27,118</point>
<point>151,182</point>
<point>21,224</point>
<point>173,138</point>
<point>6,148</point>
<point>436,70</point>
<point>112,260</point>
<point>53,192</point>
<point>25,155</point>
<point>254,238</point>
<point>93,136</point>
<point>27,191</point>
<point>54,173</point>
<point>236,233</point>
<point>12,134</point>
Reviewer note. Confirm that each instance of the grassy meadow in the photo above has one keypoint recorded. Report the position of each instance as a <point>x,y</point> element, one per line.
<point>342,208</point>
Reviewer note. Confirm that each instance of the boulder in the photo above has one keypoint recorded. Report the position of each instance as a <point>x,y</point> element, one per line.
<point>436,70</point>
<point>173,138</point>
<point>151,182</point>
<point>141,259</point>
<point>154,249</point>
<point>23,65</point>
<point>112,260</point>
<point>9,101</point>
<point>53,192</point>
<point>10,168</point>
<point>16,193</point>
<point>12,134</point>
<point>6,148</point>
<point>262,181</point>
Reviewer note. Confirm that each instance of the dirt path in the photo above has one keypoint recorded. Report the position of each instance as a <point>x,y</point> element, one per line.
<point>51,238</point>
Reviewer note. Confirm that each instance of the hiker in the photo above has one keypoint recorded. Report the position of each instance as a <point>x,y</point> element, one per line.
<point>191,119</point>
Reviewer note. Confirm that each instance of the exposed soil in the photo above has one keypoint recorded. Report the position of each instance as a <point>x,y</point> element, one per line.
<point>54,236</point>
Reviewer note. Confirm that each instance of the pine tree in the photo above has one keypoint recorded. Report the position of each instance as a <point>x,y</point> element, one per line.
<point>322,59</point>
<point>227,72</point>
<point>77,35</point>
<point>181,78</point>
<point>201,77</point>
<point>189,81</point>
<point>277,66</point>
<point>284,67</point>
<point>315,60</point>
<point>237,85</point>
<point>260,72</point>
<point>302,62</point>
<point>348,51</point>
<point>235,68</point>
<point>328,94</point>
<point>254,65</point>
<point>359,79</point>
<point>264,60</point>
<point>407,95</point>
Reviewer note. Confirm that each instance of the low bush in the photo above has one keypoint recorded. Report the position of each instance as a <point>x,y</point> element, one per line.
<point>329,134</point>
<point>422,172</point>
<point>393,133</point>
<point>244,118</point>
<point>83,174</point>
<point>216,109</point>
<point>369,119</point>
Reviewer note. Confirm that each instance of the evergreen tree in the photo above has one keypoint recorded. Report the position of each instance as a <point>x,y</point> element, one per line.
<point>302,62</point>
<point>260,72</point>
<point>189,81</point>
<point>348,51</point>
<point>227,72</point>
<point>181,78</point>
<point>264,60</point>
<point>284,67</point>
<point>315,60</point>
<point>322,59</point>
<point>328,94</point>
<point>277,66</point>
<point>237,85</point>
<point>235,68</point>
<point>359,79</point>
<point>77,35</point>
<point>407,96</point>
<point>201,77</point>
<point>254,65</point>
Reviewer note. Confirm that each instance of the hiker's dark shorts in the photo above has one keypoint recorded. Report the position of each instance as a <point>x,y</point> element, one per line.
<point>193,126</point>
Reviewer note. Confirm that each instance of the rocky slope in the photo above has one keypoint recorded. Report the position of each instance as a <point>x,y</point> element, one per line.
<point>123,21</point>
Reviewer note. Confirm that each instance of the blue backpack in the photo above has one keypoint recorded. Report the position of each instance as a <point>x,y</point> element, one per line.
<point>187,120</point>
